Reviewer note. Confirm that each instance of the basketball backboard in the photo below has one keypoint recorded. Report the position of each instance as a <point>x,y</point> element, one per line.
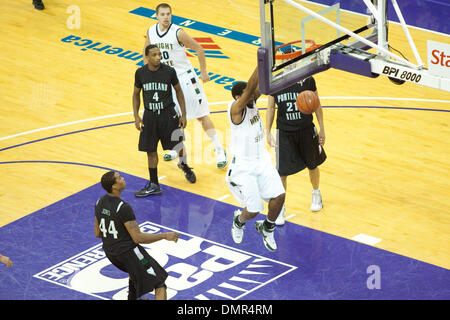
<point>328,37</point>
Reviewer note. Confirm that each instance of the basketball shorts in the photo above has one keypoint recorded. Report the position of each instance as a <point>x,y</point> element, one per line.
<point>145,272</point>
<point>252,181</point>
<point>163,127</point>
<point>194,96</point>
<point>297,150</point>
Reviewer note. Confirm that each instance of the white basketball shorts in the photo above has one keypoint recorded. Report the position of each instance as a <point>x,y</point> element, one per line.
<point>194,96</point>
<point>252,181</point>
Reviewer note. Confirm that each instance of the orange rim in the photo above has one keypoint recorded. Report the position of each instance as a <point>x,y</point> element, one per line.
<point>291,55</point>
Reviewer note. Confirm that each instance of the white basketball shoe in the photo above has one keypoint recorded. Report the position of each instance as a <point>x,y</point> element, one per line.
<point>221,157</point>
<point>170,155</point>
<point>268,235</point>
<point>237,233</point>
<point>316,202</point>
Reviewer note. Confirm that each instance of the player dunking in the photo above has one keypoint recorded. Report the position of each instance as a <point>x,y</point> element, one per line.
<point>172,40</point>
<point>299,145</point>
<point>160,121</point>
<point>251,177</point>
<point>116,224</point>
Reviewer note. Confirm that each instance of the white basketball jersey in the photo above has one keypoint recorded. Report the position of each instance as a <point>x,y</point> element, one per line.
<point>173,53</point>
<point>247,137</point>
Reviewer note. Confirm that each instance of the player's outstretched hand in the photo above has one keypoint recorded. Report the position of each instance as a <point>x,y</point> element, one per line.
<point>204,76</point>
<point>322,137</point>
<point>270,139</point>
<point>172,236</point>
<point>138,123</point>
<point>182,122</point>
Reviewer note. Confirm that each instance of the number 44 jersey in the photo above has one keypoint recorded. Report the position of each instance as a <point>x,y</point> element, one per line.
<point>112,213</point>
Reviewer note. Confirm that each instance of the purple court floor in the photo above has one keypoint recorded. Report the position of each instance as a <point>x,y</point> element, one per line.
<point>56,256</point>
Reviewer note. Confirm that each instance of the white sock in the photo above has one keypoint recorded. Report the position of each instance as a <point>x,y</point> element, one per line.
<point>215,141</point>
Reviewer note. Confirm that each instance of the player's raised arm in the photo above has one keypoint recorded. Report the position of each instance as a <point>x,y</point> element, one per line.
<point>247,95</point>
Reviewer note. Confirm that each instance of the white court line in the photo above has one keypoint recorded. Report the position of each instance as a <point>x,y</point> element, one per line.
<point>290,216</point>
<point>385,98</point>
<point>223,197</point>
<point>162,177</point>
<point>364,238</point>
<point>81,121</point>
<point>212,103</point>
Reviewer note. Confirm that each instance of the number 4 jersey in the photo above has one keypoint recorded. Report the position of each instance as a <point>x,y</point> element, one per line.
<point>156,86</point>
<point>111,214</point>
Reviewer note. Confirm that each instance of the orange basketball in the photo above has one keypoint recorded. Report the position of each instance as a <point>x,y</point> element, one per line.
<point>307,102</point>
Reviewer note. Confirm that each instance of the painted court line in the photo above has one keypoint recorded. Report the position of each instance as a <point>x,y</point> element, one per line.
<point>364,238</point>
<point>223,197</point>
<point>226,102</point>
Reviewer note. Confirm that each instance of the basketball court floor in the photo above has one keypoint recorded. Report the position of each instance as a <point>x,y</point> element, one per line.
<point>66,80</point>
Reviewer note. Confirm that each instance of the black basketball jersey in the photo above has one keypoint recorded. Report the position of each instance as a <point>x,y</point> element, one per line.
<point>156,86</point>
<point>288,116</point>
<point>111,214</point>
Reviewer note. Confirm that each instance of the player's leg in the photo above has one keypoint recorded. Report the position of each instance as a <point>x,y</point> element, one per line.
<point>275,206</point>
<point>131,290</point>
<point>172,137</point>
<point>271,189</point>
<point>316,196</point>
<point>208,127</point>
<point>148,142</point>
<point>182,164</point>
<point>281,219</point>
<point>314,155</point>
<point>161,293</point>
<point>314,177</point>
<point>244,188</point>
<point>289,161</point>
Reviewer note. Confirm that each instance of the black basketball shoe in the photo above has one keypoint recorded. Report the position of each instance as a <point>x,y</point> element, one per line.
<point>38,4</point>
<point>188,173</point>
<point>149,189</point>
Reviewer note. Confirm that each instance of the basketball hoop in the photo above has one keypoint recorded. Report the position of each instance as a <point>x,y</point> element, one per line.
<point>287,56</point>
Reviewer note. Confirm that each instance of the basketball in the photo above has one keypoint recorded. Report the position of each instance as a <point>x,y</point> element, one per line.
<point>307,102</point>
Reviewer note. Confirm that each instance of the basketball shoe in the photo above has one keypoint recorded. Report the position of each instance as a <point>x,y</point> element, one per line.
<point>149,189</point>
<point>170,155</point>
<point>221,157</point>
<point>38,5</point>
<point>188,173</point>
<point>237,233</point>
<point>316,202</point>
<point>267,234</point>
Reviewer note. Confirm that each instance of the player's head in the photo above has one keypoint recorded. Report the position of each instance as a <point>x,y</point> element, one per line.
<point>164,14</point>
<point>112,181</point>
<point>153,55</point>
<point>238,89</point>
